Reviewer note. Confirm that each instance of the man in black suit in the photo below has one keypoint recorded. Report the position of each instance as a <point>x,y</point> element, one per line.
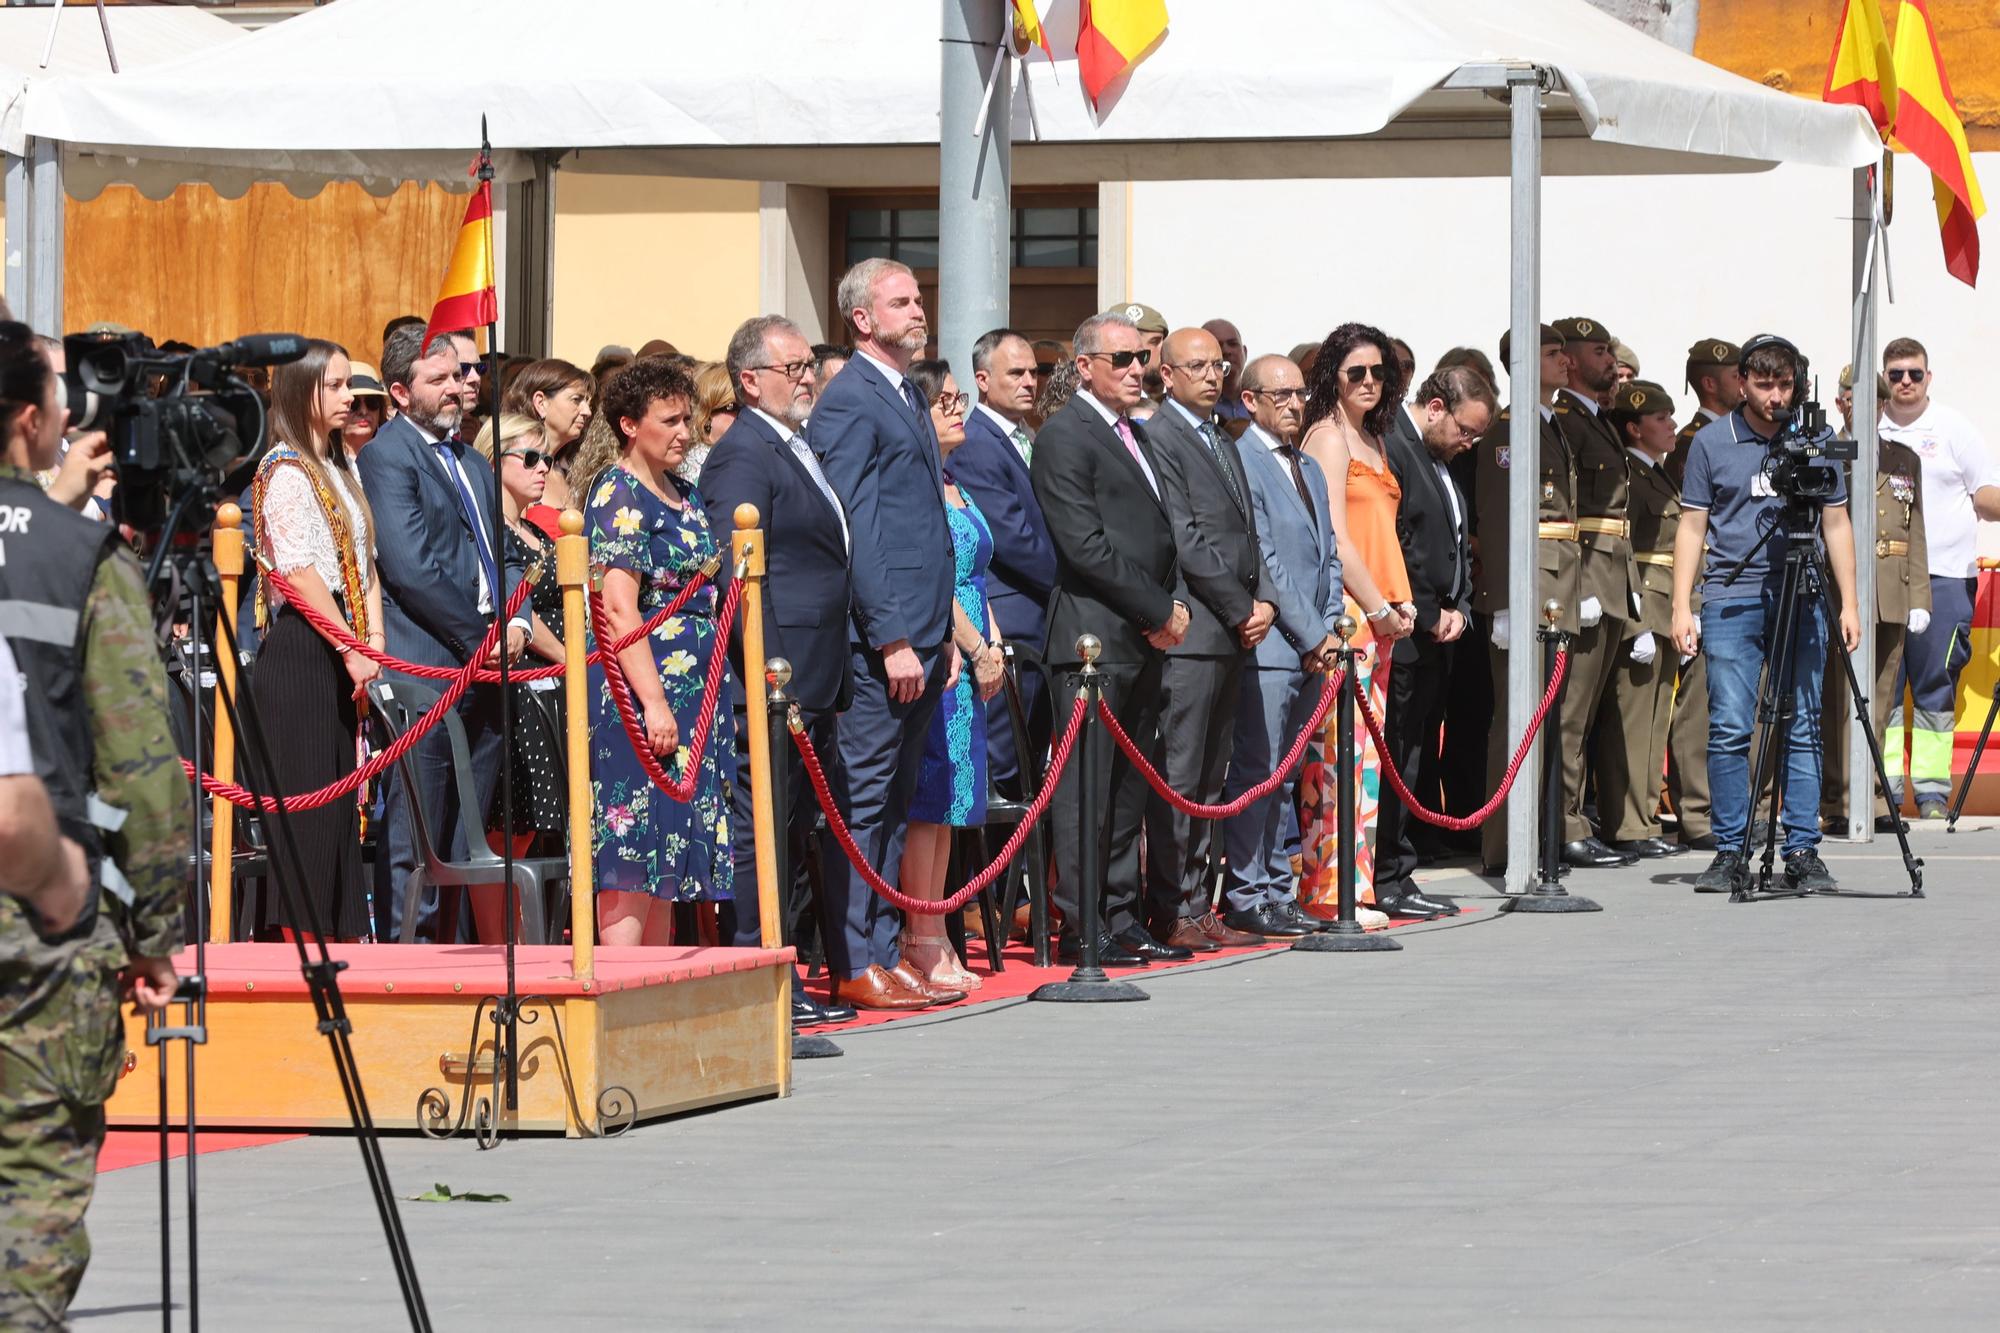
<point>872,434</point>
<point>1117,577</point>
<point>434,501</point>
<point>1230,610</point>
<point>992,465</point>
<point>763,460</point>
<point>1454,408</point>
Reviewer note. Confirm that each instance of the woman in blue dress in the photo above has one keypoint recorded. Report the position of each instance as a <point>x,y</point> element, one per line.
<point>649,538</point>
<point>951,780</point>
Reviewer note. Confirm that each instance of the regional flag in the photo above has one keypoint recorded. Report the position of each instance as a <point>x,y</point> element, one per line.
<point>1861,72</point>
<point>467,298</point>
<point>1927,124</point>
<point>1028,28</point>
<point>1114,35</point>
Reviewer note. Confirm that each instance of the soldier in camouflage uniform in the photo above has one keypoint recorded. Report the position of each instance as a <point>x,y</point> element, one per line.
<point>73,609</point>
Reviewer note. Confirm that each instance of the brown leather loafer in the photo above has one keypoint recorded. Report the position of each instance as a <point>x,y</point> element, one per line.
<point>1188,935</point>
<point>1223,937</point>
<point>876,989</point>
<point>923,985</point>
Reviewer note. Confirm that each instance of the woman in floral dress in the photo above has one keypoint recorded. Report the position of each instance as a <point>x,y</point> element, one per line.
<point>649,538</point>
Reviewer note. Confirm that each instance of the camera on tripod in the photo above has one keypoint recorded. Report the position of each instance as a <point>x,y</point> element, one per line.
<point>184,427</point>
<point>1799,464</point>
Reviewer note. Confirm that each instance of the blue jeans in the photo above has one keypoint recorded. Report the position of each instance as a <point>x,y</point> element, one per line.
<point>1737,638</point>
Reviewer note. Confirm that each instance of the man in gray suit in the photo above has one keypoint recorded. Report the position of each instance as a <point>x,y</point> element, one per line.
<point>1230,612</point>
<point>1288,501</point>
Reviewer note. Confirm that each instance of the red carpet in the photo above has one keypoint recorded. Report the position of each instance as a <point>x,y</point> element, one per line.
<point>139,1147</point>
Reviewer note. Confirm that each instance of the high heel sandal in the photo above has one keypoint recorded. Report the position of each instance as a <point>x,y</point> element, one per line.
<point>933,956</point>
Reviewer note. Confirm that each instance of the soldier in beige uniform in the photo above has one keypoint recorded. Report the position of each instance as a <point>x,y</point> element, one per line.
<point>1557,550</point>
<point>1902,603</point>
<point>1610,577</point>
<point>1631,739</point>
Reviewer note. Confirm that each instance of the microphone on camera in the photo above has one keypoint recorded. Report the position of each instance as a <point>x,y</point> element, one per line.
<point>259,349</point>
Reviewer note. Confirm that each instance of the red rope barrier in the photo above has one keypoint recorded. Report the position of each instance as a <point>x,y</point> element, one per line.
<point>979,882</point>
<point>680,789</point>
<point>1479,816</point>
<point>1196,810</point>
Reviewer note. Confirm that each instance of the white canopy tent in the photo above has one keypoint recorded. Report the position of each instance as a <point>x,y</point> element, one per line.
<point>809,93</point>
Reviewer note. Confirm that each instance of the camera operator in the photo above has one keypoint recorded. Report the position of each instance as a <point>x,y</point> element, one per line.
<point>73,611</point>
<point>1730,506</point>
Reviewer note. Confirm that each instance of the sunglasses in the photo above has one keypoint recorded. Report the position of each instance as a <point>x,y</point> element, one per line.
<point>1913,375</point>
<point>1377,372</point>
<point>471,368</point>
<point>531,458</point>
<point>1121,360</point>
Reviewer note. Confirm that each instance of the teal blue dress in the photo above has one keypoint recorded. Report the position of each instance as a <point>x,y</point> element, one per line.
<point>951,780</point>
<point>647,842</point>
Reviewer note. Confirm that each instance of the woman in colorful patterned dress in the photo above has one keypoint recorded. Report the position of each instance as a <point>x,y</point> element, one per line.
<point>951,780</point>
<point>1356,388</point>
<point>649,538</point>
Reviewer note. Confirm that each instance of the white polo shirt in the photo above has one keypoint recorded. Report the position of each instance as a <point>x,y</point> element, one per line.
<point>1956,462</point>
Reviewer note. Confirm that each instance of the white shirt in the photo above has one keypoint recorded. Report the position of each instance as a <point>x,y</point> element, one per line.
<point>1956,462</point>
<point>889,372</point>
<point>1111,420</point>
<point>1451,497</point>
<point>1548,413</point>
<point>16,758</point>
<point>801,451</point>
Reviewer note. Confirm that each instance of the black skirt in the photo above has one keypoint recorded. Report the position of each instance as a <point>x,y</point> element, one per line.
<point>305,702</point>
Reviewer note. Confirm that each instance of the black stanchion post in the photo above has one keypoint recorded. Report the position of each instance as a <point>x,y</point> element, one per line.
<point>777,675</point>
<point>1548,895</point>
<point>1088,984</point>
<point>1347,936</point>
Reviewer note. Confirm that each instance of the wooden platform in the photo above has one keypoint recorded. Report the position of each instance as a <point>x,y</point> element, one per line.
<point>657,1031</point>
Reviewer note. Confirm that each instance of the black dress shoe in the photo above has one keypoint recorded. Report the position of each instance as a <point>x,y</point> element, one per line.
<point>1441,906</point>
<point>1289,910</point>
<point>1135,940</point>
<point>807,1012</point>
<point>1110,953</point>
<point>1264,920</point>
<point>1589,854</point>
<point>1603,846</point>
<point>1406,907</point>
<point>1648,849</point>
<point>1888,823</point>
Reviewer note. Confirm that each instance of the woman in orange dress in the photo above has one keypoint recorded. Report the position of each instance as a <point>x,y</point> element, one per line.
<point>1354,391</point>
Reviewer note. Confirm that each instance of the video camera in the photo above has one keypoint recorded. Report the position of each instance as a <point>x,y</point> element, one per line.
<point>1798,464</point>
<point>184,428</point>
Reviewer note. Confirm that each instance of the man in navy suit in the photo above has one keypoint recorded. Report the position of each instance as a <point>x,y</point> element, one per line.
<point>434,501</point>
<point>992,465</point>
<point>1295,535</point>
<point>873,437</point>
<point>763,460</point>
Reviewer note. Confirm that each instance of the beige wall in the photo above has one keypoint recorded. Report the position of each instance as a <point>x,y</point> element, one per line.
<point>640,257</point>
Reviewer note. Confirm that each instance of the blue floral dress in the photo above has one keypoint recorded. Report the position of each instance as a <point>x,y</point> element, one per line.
<point>951,780</point>
<point>646,842</point>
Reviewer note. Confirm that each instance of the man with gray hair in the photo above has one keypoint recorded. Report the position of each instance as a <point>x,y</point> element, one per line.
<point>1117,578</point>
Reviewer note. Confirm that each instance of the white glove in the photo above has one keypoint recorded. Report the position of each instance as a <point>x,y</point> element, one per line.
<point>1920,620</point>
<point>1499,631</point>
<point>1642,648</point>
<point>1590,612</point>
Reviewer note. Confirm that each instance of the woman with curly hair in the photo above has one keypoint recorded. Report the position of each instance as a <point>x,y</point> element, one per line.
<point>649,538</point>
<point>1352,396</point>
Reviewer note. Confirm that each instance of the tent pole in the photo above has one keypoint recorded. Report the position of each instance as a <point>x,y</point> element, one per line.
<point>44,258</point>
<point>975,177</point>
<point>1867,264</point>
<point>1524,275</point>
<point>17,234</point>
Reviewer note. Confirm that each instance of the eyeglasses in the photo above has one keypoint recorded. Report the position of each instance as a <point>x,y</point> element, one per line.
<point>1201,370</point>
<point>1281,395</point>
<point>793,371</point>
<point>531,458</point>
<point>1377,372</point>
<point>1466,434</point>
<point>1045,368</point>
<point>949,403</point>
<point>1121,360</point>
<point>470,368</point>
<point>1914,375</point>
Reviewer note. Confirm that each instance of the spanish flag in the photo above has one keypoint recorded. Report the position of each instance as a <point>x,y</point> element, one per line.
<point>1114,35</point>
<point>1861,72</point>
<point>467,298</point>
<point>1927,124</point>
<point>1028,28</point>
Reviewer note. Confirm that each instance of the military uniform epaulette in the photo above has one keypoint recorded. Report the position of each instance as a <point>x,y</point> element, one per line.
<point>1561,406</point>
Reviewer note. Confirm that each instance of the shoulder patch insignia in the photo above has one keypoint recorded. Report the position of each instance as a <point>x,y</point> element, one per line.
<point>1504,455</point>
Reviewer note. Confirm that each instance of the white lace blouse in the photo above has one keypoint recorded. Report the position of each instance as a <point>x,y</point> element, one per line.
<point>294,533</point>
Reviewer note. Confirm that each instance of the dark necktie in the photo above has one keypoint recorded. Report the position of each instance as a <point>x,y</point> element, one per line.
<point>1212,437</point>
<point>917,404</point>
<point>1291,453</point>
<point>448,454</point>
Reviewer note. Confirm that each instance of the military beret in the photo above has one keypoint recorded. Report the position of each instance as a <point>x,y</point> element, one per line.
<point>1550,338</point>
<point>1625,356</point>
<point>1640,398</point>
<point>1714,352</point>
<point>1577,330</point>
<point>1148,319</point>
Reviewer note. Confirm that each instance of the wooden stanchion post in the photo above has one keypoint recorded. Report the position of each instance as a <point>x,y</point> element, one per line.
<point>222,836</point>
<point>746,552</point>
<point>573,573</point>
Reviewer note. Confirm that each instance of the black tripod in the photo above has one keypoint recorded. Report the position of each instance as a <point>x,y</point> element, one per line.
<point>1978,751</point>
<point>1805,582</point>
<point>183,572</point>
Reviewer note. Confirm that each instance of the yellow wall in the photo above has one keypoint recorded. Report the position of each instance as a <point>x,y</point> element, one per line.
<point>641,257</point>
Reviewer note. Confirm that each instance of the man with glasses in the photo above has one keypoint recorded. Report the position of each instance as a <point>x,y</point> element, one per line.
<point>1456,407</point>
<point>1230,613</point>
<point>763,460</point>
<point>1117,578</point>
<point>1961,485</point>
<point>992,466</point>
<point>465,345</point>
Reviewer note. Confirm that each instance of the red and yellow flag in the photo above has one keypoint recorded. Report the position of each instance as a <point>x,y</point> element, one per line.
<point>1927,124</point>
<point>1114,35</point>
<point>1028,28</point>
<point>1862,72</point>
<point>467,299</point>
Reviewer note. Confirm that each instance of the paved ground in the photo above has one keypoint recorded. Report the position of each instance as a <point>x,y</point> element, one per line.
<point>1673,1114</point>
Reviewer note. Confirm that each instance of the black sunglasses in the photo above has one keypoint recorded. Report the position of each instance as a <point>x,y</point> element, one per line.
<point>1378,372</point>
<point>1914,375</point>
<point>1121,360</point>
<point>531,458</point>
